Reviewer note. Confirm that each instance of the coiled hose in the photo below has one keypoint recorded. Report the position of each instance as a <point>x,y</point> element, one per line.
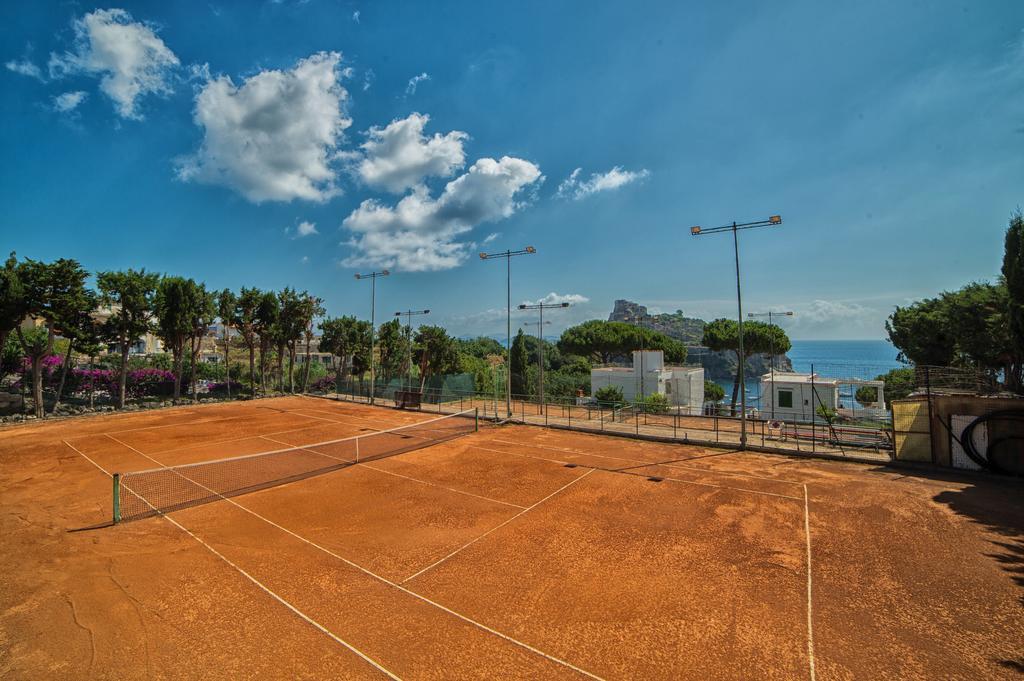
<point>1012,444</point>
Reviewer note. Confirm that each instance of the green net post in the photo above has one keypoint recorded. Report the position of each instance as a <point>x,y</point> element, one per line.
<point>117,497</point>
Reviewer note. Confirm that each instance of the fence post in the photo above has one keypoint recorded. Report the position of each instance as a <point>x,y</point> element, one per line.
<point>570,416</point>
<point>476,419</point>
<point>117,498</point>
<point>928,396</point>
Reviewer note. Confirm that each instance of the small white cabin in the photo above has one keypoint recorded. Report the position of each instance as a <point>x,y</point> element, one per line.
<point>796,397</point>
<point>683,386</point>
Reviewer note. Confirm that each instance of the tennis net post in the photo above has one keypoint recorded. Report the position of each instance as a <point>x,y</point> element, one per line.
<point>117,498</point>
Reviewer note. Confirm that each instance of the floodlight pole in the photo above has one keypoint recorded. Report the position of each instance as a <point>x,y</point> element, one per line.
<point>372,276</point>
<point>540,339</point>
<point>408,337</point>
<point>640,319</point>
<point>735,227</point>
<point>769,314</point>
<point>508,255</point>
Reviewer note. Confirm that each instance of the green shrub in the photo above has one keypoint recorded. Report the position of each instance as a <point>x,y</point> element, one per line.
<point>610,396</point>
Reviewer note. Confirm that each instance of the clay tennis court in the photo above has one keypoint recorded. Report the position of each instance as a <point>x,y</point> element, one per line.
<point>511,552</point>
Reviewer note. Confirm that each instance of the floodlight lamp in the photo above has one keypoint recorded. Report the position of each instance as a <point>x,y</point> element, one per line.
<point>398,314</point>
<point>565,304</point>
<point>775,219</point>
<point>386,272</point>
<point>359,276</point>
<point>694,231</point>
<point>522,306</point>
<point>483,256</point>
<point>789,314</point>
<point>531,249</point>
<point>426,312</point>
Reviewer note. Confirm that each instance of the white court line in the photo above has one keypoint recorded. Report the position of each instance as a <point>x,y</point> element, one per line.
<point>810,616</point>
<point>380,578</point>
<point>397,475</point>
<point>674,464</point>
<point>679,480</point>
<point>255,581</point>
<point>496,527</point>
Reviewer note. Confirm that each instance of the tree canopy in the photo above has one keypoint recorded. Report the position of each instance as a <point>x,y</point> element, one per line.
<point>606,342</point>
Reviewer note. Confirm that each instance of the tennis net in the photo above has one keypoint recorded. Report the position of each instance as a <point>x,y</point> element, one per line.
<point>142,494</point>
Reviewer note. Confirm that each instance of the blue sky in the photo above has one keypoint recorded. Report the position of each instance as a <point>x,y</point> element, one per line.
<point>297,143</point>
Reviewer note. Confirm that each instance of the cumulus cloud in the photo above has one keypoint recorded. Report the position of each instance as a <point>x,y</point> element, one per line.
<point>304,228</point>
<point>825,311</point>
<point>355,16</point>
<point>25,68</point>
<point>399,156</point>
<point>491,237</point>
<point>573,188</point>
<point>558,298</point>
<point>421,233</point>
<point>414,82</point>
<point>69,101</point>
<point>274,137</point>
<point>128,56</point>
<point>368,79</point>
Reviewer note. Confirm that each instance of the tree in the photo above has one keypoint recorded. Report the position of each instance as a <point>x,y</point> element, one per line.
<point>866,395</point>
<point>898,383</point>
<point>312,307</point>
<point>266,319</point>
<point>12,299</point>
<point>519,364</point>
<point>347,338</point>
<point>392,348</point>
<point>435,353</point>
<point>920,332</point>
<point>175,306</point>
<point>286,331</point>
<point>244,319</point>
<point>203,313</point>
<point>758,338</point>
<point>1013,276</point>
<point>604,342</point>
<point>76,324</point>
<point>129,294</point>
<point>227,305</point>
<point>713,392</point>
<point>53,294</point>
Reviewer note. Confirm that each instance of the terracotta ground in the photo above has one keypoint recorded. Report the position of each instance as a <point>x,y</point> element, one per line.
<point>515,552</point>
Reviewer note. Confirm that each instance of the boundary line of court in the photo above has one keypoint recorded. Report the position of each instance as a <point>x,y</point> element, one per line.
<point>674,463</point>
<point>398,475</point>
<point>263,587</point>
<point>381,578</point>
<point>810,614</point>
<point>612,470</point>
<point>497,527</point>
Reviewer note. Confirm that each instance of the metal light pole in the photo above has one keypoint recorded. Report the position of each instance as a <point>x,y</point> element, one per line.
<point>640,319</point>
<point>769,315</point>
<point>372,276</point>
<point>540,338</point>
<point>408,337</point>
<point>508,255</point>
<point>735,228</point>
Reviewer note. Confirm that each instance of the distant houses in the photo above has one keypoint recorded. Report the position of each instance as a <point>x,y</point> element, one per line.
<point>683,387</point>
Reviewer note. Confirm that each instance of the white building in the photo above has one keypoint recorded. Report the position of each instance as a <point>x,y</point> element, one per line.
<point>683,386</point>
<point>796,397</point>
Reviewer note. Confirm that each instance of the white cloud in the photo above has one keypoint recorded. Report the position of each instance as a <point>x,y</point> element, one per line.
<point>275,136</point>
<point>355,16</point>
<point>825,311</point>
<point>25,68</point>
<point>368,78</point>
<point>557,299</point>
<point>129,57</point>
<point>573,188</point>
<point>421,233</point>
<point>69,101</point>
<point>304,228</point>
<point>414,82</point>
<point>491,237</point>
<point>304,260</point>
<point>398,156</point>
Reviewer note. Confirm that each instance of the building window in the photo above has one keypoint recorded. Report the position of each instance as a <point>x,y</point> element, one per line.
<point>786,398</point>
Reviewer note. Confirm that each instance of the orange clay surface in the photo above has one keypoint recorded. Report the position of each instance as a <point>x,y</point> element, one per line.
<point>514,552</point>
